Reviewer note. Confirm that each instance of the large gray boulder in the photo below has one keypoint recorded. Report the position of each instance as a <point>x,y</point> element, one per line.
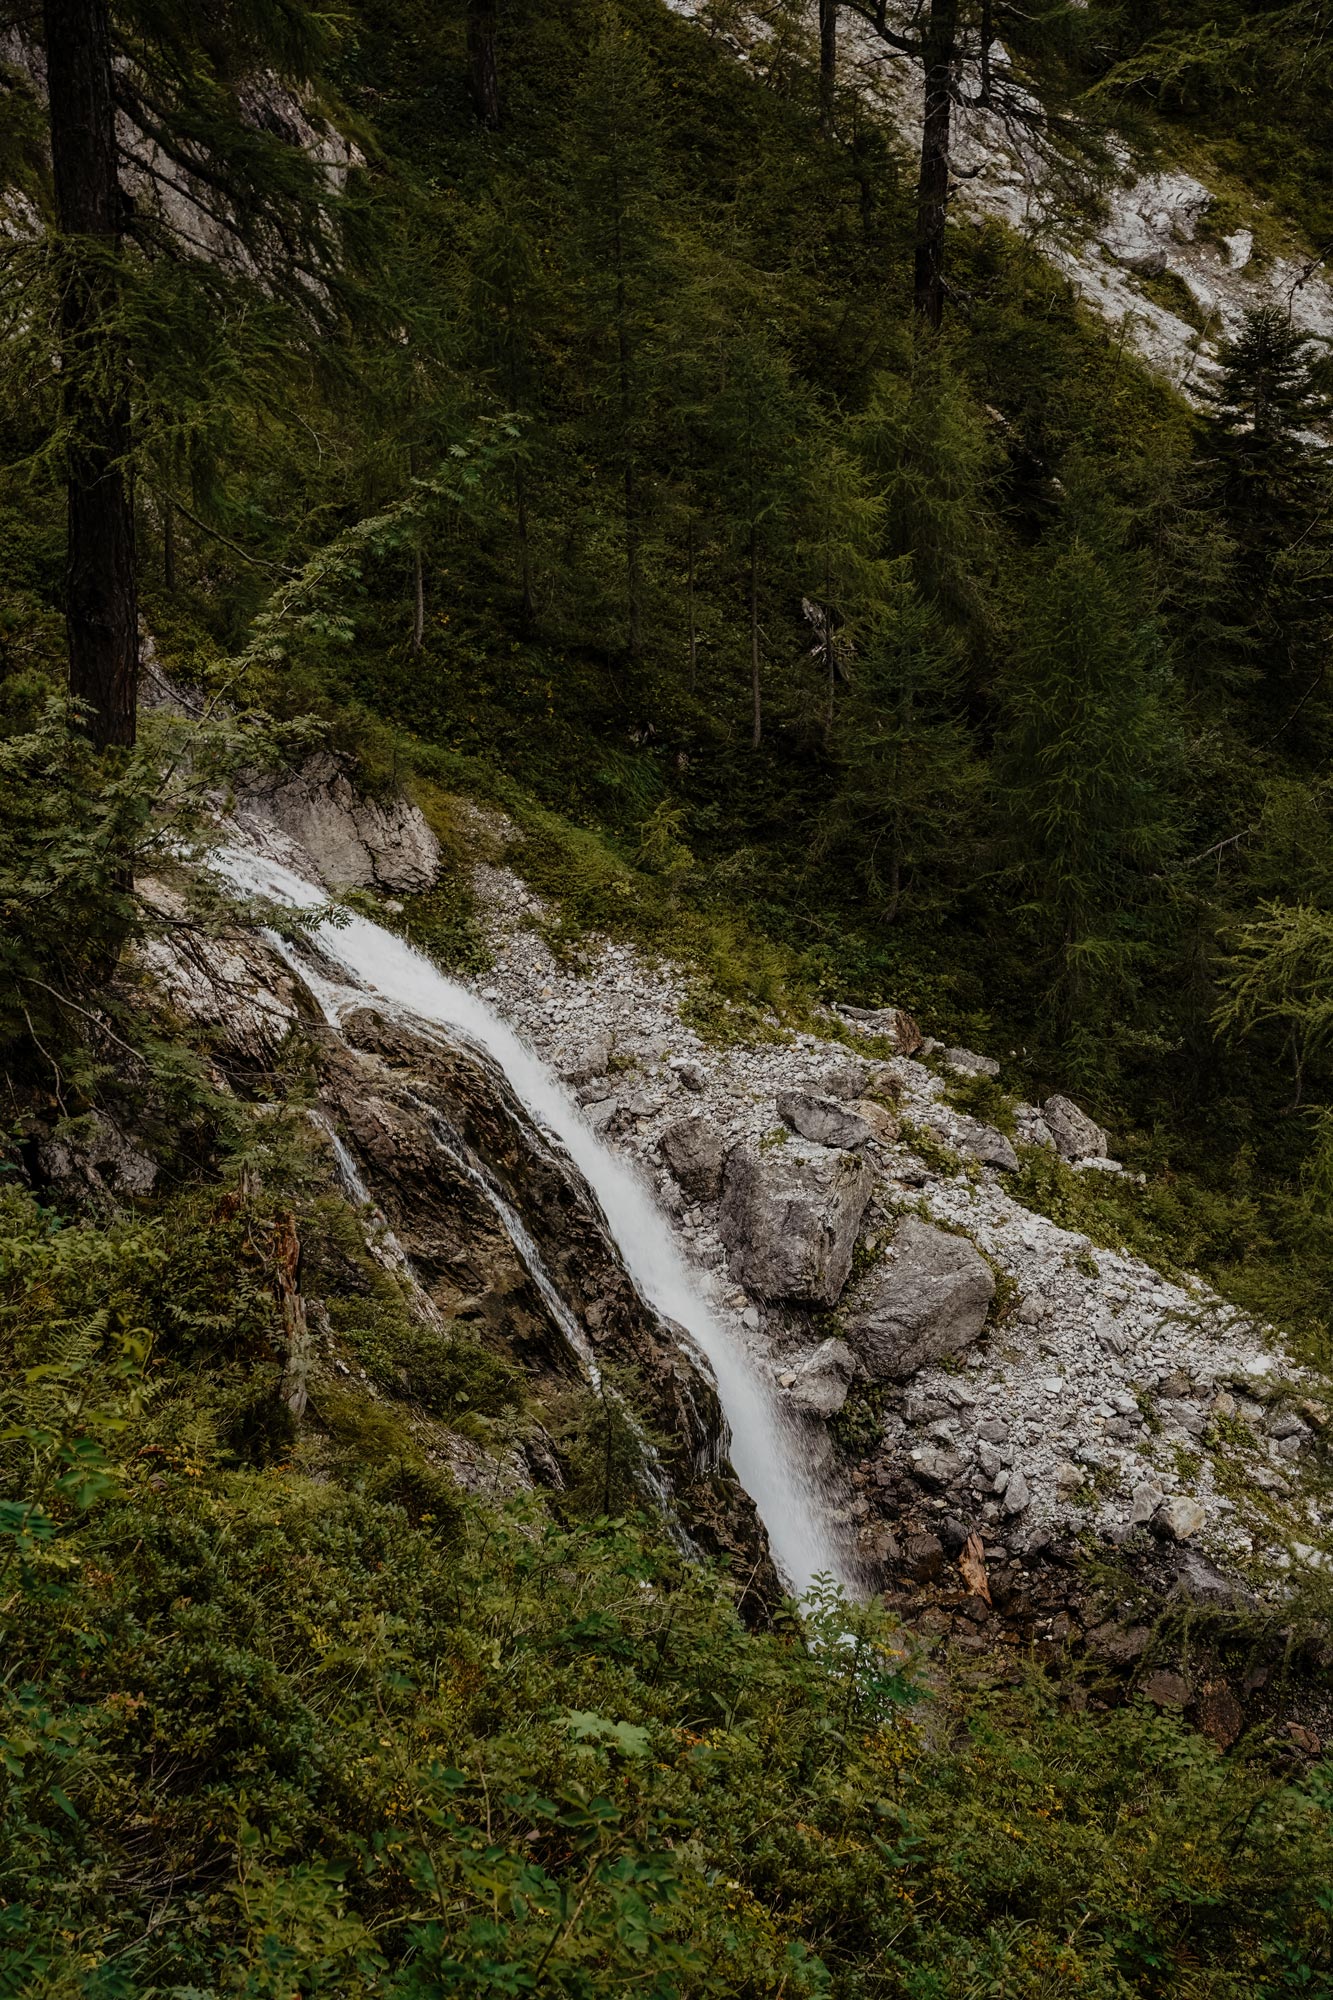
<point>1076,1136</point>
<point>818,1385</point>
<point>694,1150</point>
<point>825,1121</point>
<point>789,1218</point>
<point>928,1298</point>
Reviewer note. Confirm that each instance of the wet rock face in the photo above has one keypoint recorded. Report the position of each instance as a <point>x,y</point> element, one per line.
<point>928,1299</point>
<point>418,1113</point>
<point>354,841</point>
<point>789,1216</point>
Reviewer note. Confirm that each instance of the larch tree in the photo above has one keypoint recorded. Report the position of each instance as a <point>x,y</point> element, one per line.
<point>483,70</point>
<point>953,44</point>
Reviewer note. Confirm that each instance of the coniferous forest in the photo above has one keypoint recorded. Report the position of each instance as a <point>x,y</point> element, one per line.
<point>602,421</point>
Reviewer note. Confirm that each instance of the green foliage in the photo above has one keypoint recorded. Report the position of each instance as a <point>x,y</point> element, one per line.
<point>1082,762</point>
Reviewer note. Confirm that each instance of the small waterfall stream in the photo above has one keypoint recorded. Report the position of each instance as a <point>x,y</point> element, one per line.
<point>766,1451</point>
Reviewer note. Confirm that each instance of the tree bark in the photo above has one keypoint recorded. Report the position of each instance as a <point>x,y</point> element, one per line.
<point>689,603</point>
<point>625,364</point>
<point>418,601</point>
<point>758,730</point>
<point>482,69</point>
<point>828,64</point>
<point>101,607</point>
<point>939,43</point>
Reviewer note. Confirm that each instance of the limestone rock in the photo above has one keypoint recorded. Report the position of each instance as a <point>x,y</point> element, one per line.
<point>1017,1495</point>
<point>789,1218</point>
<point>938,1466</point>
<point>819,1383</point>
<point>883,1125</point>
<point>1076,1136</point>
<point>354,841</point>
<point>965,1062</point>
<point>929,1298</point>
<point>823,1120</point>
<point>93,1157</point>
<point>694,1150</point>
<point>889,1024</point>
<point>594,1060</point>
<point>982,1142</point>
<point>1177,1517</point>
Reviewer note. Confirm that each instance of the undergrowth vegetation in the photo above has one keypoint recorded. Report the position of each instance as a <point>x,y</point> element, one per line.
<point>266,1732</point>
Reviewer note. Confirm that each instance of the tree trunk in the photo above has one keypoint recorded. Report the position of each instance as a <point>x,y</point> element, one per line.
<point>932,203</point>
<point>101,608</point>
<point>527,607</point>
<point>828,64</point>
<point>482,70</point>
<point>418,601</point>
<point>754,638</point>
<point>689,602</point>
<point>625,362</point>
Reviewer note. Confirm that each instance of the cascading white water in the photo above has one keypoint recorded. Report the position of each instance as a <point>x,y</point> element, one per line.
<point>767,1456</point>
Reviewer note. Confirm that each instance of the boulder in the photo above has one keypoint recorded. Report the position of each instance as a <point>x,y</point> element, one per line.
<point>789,1218</point>
<point>694,1150</point>
<point>883,1125</point>
<point>823,1120</point>
<point>1076,1136</point>
<point>91,1156</point>
<point>982,1142</point>
<point>938,1466</point>
<point>820,1382</point>
<point>929,1297</point>
<point>965,1062</point>
<point>593,1061</point>
<point>1177,1517</point>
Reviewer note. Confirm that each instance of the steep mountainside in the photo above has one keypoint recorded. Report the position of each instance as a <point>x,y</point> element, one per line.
<point>666,1194</point>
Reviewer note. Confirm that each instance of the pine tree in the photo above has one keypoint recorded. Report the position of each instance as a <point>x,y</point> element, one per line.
<point>757,423</point>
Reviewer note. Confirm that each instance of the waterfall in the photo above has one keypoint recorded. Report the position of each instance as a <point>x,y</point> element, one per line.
<point>766,1451</point>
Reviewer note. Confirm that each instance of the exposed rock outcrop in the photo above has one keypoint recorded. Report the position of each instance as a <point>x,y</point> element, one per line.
<point>354,841</point>
<point>928,1298</point>
<point>789,1218</point>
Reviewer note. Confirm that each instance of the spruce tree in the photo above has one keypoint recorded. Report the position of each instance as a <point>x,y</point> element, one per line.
<point>1081,766</point>
<point>101,605</point>
<point>624,279</point>
<point>908,780</point>
<point>1276,495</point>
